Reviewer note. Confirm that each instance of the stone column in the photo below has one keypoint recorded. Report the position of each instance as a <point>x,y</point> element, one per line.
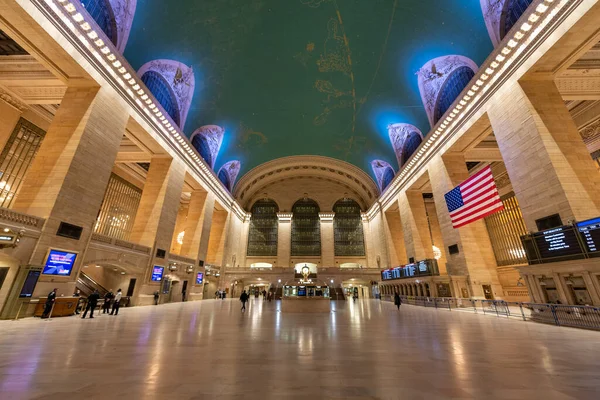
<point>395,238</point>
<point>475,258</point>
<point>197,225</point>
<point>216,241</point>
<point>182,214</point>
<point>415,225</point>
<point>591,287</point>
<point>327,240</point>
<point>155,220</point>
<point>284,239</point>
<point>544,154</point>
<point>67,179</point>
<point>436,235</point>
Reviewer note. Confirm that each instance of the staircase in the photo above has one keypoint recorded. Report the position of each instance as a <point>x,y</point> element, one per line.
<point>87,285</point>
<point>278,293</point>
<point>337,294</point>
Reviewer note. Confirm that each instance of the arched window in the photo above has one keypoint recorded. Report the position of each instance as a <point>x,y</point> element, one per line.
<point>513,9</point>
<point>224,177</point>
<point>348,229</point>
<point>412,144</point>
<point>383,172</point>
<point>306,228</point>
<point>207,140</point>
<point>262,236</point>
<point>103,14</point>
<point>388,177</point>
<point>163,93</point>
<point>456,82</point>
<point>201,144</point>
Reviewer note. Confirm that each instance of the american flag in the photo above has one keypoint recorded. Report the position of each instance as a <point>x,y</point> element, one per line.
<point>474,199</point>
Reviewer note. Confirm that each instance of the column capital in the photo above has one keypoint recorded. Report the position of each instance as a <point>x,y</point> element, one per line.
<point>284,217</point>
<point>326,216</point>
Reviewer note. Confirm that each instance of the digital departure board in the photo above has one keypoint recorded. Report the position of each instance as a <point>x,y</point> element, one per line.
<point>558,244</point>
<point>421,268</point>
<point>590,235</point>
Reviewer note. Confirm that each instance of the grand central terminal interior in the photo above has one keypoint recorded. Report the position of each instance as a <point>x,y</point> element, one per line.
<point>337,199</point>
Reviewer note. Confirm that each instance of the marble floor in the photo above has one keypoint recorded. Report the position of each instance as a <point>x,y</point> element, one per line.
<point>362,350</point>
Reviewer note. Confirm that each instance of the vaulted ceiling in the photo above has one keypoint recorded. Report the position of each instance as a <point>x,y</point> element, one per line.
<point>306,77</point>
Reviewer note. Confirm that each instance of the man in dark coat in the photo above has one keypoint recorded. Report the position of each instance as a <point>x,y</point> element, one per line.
<point>397,300</point>
<point>107,299</point>
<point>49,303</point>
<point>91,304</point>
<point>244,299</point>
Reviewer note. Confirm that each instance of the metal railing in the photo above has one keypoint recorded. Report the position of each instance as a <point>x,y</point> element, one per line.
<point>586,317</point>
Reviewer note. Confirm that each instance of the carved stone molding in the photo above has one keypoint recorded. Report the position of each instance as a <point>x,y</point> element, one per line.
<point>12,99</point>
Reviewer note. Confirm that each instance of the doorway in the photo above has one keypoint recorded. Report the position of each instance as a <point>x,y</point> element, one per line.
<point>487,292</point>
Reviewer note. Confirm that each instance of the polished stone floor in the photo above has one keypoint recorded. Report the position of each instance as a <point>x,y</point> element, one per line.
<point>363,350</point>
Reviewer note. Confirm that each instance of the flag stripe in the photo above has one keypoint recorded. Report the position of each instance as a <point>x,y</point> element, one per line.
<point>474,199</point>
<point>486,179</point>
<point>492,210</point>
<point>481,202</point>
<point>493,200</point>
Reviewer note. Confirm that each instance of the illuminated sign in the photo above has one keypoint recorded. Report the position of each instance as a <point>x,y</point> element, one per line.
<point>199,278</point>
<point>59,263</point>
<point>157,273</point>
<point>590,233</point>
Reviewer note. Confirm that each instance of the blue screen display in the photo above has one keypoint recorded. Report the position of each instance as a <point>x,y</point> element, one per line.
<point>59,263</point>
<point>199,278</point>
<point>157,274</point>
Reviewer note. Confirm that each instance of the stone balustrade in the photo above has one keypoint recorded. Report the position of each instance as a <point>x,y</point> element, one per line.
<point>98,238</point>
<point>28,221</point>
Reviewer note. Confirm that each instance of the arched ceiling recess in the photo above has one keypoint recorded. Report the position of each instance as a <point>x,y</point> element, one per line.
<point>293,77</point>
<point>340,178</point>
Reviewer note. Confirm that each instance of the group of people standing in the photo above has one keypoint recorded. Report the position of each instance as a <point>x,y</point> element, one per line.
<point>110,298</point>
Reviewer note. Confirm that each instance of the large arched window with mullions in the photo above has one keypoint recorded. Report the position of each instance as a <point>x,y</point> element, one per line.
<point>162,91</point>
<point>388,177</point>
<point>456,82</point>
<point>262,237</point>
<point>306,228</point>
<point>104,16</point>
<point>513,9</point>
<point>413,142</point>
<point>347,229</point>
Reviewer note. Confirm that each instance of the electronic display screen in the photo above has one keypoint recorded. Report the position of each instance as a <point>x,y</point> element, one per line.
<point>558,242</point>
<point>590,233</point>
<point>157,273</point>
<point>199,278</point>
<point>59,263</point>
<point>301,290</point>
<point>29,284</point>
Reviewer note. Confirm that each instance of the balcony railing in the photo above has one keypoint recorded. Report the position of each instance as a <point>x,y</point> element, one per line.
<point>14,217</point>
<point>98,238</point>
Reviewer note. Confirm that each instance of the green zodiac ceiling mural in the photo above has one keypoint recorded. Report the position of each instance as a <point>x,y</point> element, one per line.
<point>293,77</point>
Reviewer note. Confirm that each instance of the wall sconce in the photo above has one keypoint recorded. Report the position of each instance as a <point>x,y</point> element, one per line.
<point>189,269</point>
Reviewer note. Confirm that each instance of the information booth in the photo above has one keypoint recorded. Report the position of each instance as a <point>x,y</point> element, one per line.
<point>305,294</point>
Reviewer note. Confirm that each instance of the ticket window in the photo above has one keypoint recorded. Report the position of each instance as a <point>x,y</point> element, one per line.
<point>578,290</point>
<point>549,291</point>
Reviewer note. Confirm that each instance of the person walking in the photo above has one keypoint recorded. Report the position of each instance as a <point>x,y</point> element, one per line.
<point>78,306</point>
<point>156,297</point>
<point>116,303</point>
<point>92,302</point>
<point>244,300</point>
<point>107,299</point>
<point>397,300</point>
<point>49,303</point>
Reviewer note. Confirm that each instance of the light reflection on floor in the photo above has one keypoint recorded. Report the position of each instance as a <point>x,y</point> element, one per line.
<point>366,349</point>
